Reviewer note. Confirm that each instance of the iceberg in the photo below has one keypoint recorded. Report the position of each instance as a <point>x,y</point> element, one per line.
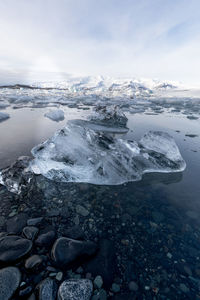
<point>55,115</point>
<point>78,153</point>
<point>4,116</point>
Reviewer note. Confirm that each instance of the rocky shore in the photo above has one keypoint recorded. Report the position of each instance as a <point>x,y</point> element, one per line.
<point>80,241</point>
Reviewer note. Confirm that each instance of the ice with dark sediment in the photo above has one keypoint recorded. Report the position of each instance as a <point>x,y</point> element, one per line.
<point>79,153</point>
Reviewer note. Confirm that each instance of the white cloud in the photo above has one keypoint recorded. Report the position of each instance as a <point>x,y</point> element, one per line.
<point>148,38</point>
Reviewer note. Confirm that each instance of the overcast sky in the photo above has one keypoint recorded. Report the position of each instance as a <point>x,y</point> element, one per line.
<point>138,38</point>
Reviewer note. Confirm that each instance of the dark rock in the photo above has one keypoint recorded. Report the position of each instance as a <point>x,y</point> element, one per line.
<point>34,221</point>
<point>45,239</point>
<point>47,289</point>
<point>32,297</point>
<point>104,263</point>
<point>9,281</point>
<point>53,213</point>
<point>33,262</point>
<point>16,224</point>
<point>65,251</point>
<point>13,248</point>
<point>75,289</point>
<point>25,292</point>
<point>75,233</point>
<point>30,232</point>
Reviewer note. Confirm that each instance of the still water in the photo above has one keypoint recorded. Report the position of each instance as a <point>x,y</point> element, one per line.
<point>153,223</point>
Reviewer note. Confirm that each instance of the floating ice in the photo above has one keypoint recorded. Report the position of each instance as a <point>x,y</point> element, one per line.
<point>55,115</point>
<point>81,154</point>
<point>4,116</point>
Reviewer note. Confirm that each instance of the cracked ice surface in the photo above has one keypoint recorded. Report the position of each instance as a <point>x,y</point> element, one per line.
<point>81,154</point>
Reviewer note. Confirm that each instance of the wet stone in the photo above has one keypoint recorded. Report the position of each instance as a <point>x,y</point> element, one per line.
<point>98,282</point>
<point>9,281</point>
<point>75,233</point>
<point>47,289</point>
<point>184,288</point>
<point>34,221</point>
<point>15,224</point>
<point>13,248</point>
<point>82,211</point>
<point>133,286</point>
<point>25,292</point>
<point>75,289</point>
<point>115,288</point>
<point>65,251</point>
<point>33,262</point>
<point>45,239</point>
<point>30,232</point>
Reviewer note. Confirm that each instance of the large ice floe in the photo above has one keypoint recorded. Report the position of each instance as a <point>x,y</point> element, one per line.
<point>88,151</point>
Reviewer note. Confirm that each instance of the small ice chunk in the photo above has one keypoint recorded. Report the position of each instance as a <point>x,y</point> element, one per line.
<point>4,116</point>
<point>55,115</point>
<point>109,115</point>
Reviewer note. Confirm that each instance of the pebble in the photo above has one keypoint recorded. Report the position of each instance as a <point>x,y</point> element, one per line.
<point>34,221</point>
<point>16,224</point>
<point>25,292</point>
<point>75,289</point>
<point>47,289</point>
<point>13,248</point>
<point>10,278</point>
<point>30,232</point>
<point>33,262</point>
<point>133,286</point>
<point>98,282</point>
<point>65,251</point>
<point>115,288</point>
<point>59,276</point>
<point>45,239</point>
<point>82,211</point>
<point>183,288</point>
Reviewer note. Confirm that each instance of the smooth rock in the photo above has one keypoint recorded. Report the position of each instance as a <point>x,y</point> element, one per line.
<point>47,289</point>
<point>133,286</point>
<point>98,282</point>
<point>33,262</point>
<point>32,297</point>
<point>9,281</point>
<point>34,221</point>
<point>26,291</point>
<point>13,248</point>
<point>30,232</point>
<point>115,288</point>
<point>65,251</point>
<point>16,224</point>
<point>45,239</point>
<point>82,210</point>
<point>75,289</point>
<point>75,233</point>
